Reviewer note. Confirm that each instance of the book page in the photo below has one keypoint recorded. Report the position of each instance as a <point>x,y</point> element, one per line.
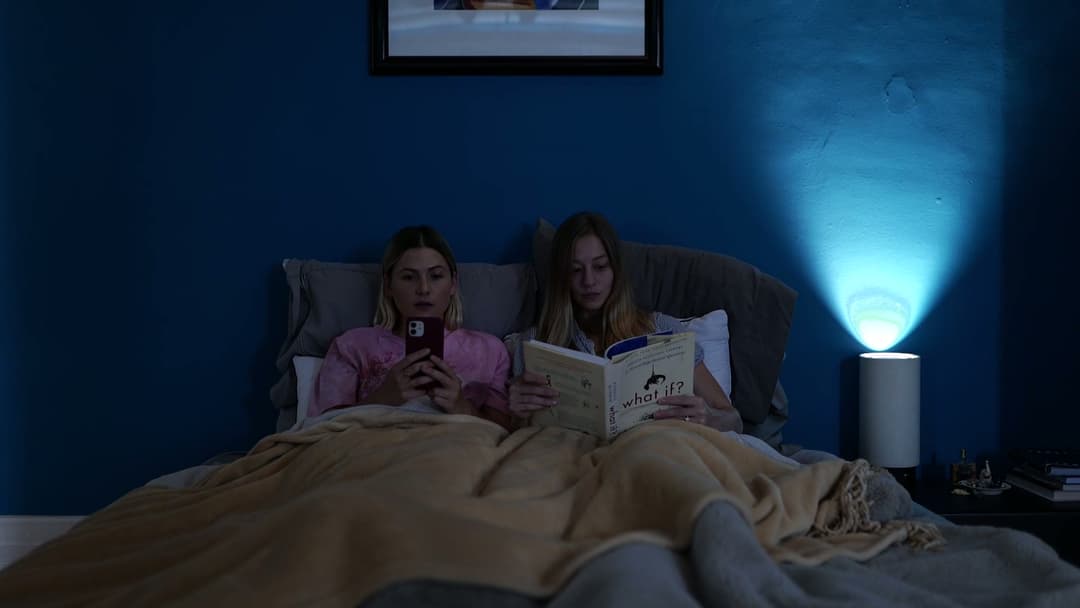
<point>582,403</point>
<point>663,368</point>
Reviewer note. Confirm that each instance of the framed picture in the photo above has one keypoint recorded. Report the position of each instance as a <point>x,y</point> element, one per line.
<point>516,36</point>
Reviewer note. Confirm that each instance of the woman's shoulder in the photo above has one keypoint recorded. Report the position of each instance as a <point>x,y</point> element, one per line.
<point>665,322</point>
<point>362,335</point>
<point>475,336</point>
<point>479,345</point>
<point>514,340</point>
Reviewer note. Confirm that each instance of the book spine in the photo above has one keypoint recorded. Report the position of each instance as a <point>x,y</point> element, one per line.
<point>1029,486</point>
<point>1052,481</point>
<point>1039,490</point>
<point>611,396</point>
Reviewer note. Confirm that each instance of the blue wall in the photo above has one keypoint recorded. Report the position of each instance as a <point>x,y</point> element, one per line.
<point>9,466</point>
<point>162,160</point>
<point>1040,333</point>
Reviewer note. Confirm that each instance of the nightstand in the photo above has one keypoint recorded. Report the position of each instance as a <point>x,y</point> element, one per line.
<point>1054,522</point>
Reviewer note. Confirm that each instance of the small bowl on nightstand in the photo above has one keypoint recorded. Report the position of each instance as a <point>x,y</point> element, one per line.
<point>992,489</point>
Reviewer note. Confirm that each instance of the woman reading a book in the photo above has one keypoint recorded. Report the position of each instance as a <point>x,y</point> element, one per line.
<point>368,365</point>
<point>588,306</point>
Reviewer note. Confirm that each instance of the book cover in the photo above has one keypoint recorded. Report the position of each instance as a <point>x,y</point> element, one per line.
<point>1038,489</point>
<point>1050,461</point>
<point>605,396</point>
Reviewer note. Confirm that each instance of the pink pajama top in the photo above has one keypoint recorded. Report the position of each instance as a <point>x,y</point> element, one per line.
<point>360,359</point>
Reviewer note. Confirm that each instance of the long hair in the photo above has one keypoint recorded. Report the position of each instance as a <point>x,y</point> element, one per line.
<point>620,316</point>
<point>387,315</point>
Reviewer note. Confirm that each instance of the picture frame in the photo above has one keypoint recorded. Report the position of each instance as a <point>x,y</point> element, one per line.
<point>610,37</point>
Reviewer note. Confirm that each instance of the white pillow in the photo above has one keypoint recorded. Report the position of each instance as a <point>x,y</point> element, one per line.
<point>711,332</point>
<point>307,372</point>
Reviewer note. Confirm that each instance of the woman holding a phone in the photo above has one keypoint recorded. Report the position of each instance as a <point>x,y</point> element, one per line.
<point>462,371</point>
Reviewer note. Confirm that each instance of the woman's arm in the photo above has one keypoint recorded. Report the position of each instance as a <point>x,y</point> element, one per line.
<point>337,382</point>
<point>528,392</point>
<point>483,396</point>
<point>496,403</point>
<point>718,411</point>
<point>720,414</point>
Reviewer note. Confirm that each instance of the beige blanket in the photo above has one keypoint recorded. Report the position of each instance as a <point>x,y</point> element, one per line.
<point>328,515</point>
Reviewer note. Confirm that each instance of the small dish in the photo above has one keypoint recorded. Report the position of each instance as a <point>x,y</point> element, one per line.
<point>992,490</point>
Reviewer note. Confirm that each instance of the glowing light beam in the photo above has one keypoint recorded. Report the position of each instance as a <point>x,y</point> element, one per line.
<point>881,127</point>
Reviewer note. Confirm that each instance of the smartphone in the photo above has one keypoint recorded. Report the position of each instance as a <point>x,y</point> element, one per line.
<point>424,332</point>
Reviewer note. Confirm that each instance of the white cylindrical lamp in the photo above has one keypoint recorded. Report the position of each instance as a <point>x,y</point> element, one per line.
<point>889,403</point>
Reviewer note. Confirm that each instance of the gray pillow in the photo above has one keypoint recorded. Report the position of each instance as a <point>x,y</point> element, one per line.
<point>688,283</point>
<point>326,299</point>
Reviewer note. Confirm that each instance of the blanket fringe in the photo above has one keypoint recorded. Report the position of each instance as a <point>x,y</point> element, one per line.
<point>854,513</point>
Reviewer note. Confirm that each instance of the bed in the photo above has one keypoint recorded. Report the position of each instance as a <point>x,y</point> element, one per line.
<point>378,506</point>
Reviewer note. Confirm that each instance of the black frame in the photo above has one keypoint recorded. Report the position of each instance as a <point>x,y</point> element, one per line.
<point>650,64</point>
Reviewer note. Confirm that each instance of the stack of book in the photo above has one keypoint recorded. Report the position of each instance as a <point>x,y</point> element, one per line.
<point>1051,474</point>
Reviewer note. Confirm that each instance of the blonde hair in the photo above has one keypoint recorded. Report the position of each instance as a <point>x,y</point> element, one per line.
<point>620,317</point>
<point>387,315</point>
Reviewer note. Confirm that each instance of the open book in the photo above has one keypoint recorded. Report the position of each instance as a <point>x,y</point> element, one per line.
<point>607,395</point>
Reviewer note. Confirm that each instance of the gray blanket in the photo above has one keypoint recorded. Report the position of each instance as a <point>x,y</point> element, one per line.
<point>725,566</point>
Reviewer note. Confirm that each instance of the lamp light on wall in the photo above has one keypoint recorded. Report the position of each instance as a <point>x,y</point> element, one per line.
<point>878,317</point>
<point>889,404</point>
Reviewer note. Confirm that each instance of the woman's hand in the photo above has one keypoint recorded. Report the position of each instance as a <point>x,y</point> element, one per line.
<point>709,405</point>
<point>402,381</point>
<point>694,408</point>
<point>447,393</point>
<point>530,392</point>
<point>690,408</point>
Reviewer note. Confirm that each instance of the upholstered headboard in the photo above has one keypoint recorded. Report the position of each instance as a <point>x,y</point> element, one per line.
<point>326,299</point>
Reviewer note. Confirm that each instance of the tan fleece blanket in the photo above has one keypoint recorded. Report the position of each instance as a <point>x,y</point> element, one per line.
<point>328,515</point>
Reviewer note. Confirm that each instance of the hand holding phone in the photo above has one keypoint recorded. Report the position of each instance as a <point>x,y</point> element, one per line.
<point>446,389</point>
<point>404,380</point>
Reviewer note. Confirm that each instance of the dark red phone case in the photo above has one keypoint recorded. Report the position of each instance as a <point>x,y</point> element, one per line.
<point>424,332</point>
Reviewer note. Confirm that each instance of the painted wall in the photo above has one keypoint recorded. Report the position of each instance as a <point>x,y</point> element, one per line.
<point>1040,332</point>
<point>9,467</point>
<point>163,160</point>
